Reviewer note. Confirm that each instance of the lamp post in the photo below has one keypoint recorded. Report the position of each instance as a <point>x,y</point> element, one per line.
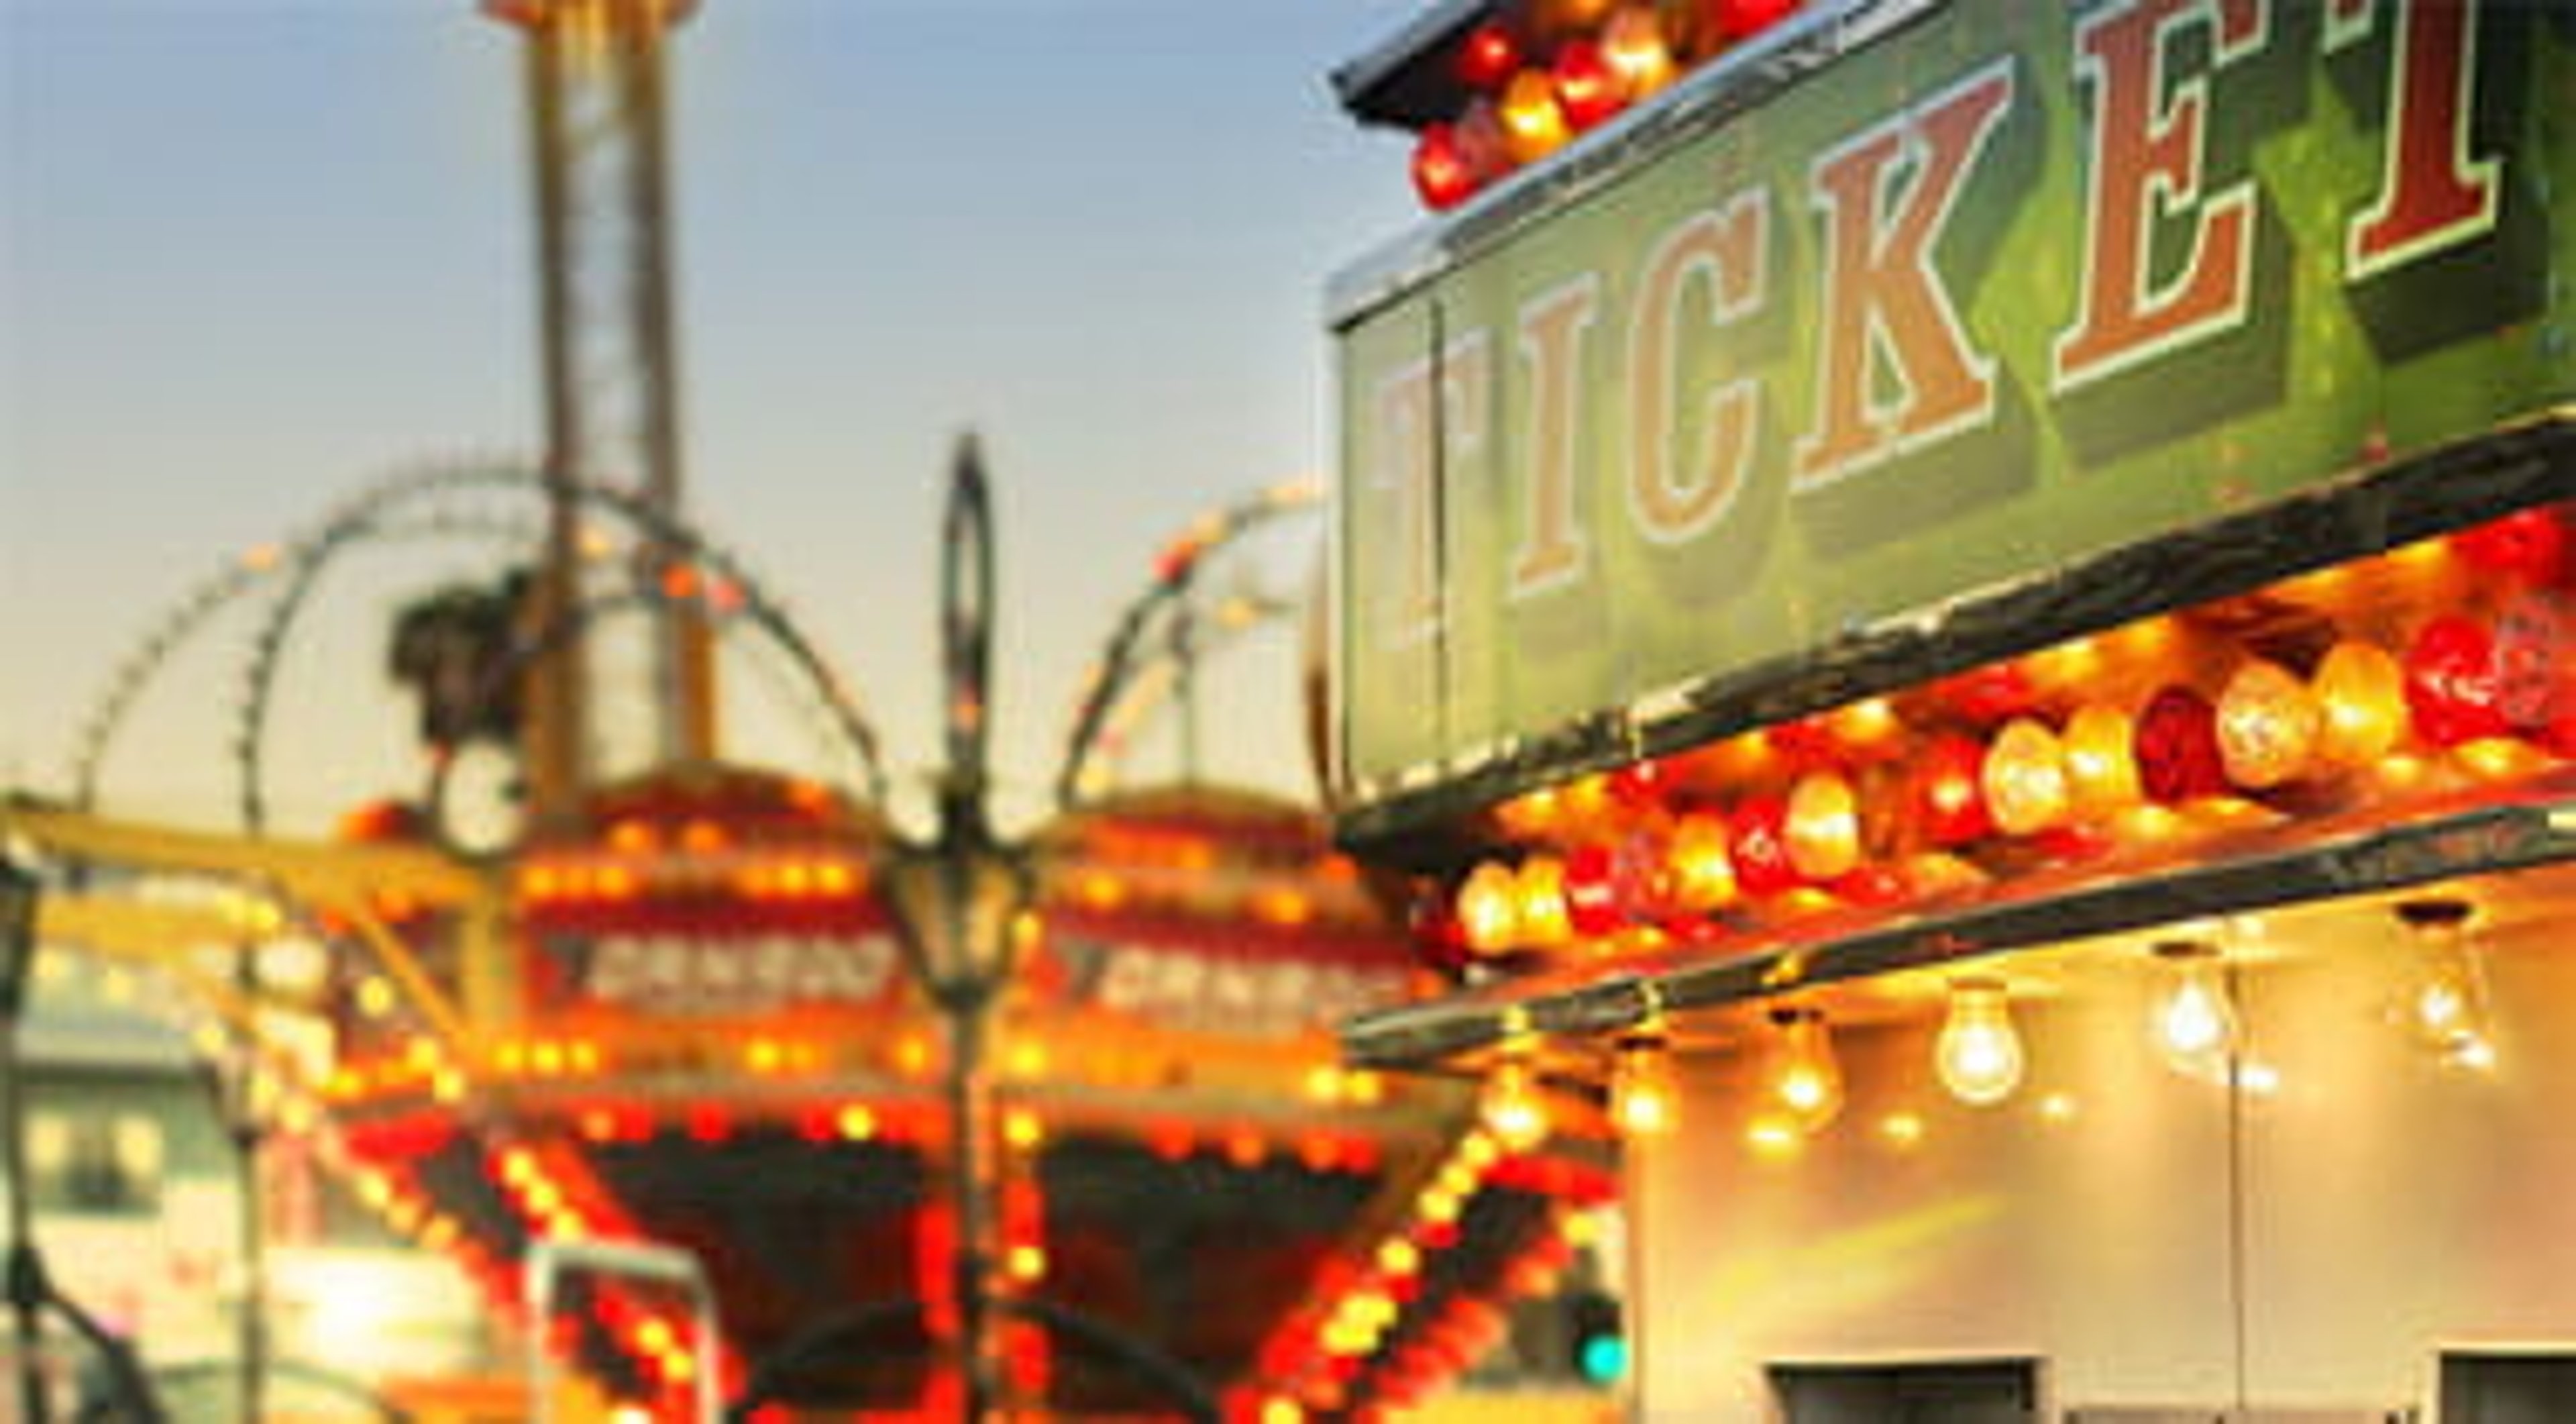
<point>956,902</point>
<point>960,901</point>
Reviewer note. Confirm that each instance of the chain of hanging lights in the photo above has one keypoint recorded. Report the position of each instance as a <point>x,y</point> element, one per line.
<point>2437,670</point>
<point>1538,78</point>
<point>2138,744</point>
<point>1395,1311</point>
<point>2192,1024</point>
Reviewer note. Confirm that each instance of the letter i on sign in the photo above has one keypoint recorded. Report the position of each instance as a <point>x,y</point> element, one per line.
<point>2434,192</point>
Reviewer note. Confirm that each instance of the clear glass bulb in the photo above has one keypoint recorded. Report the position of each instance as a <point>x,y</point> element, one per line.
<point>2446,1006</point>
<point>1805,1079</point>
<point>2194,1024</point>
<point>1979,1054</point>
<point>1644,1099</point>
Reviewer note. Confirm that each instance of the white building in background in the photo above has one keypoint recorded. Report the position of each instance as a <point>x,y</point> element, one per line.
<point>136,1187</point>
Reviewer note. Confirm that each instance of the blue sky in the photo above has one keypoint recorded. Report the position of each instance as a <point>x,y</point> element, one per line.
<point>256,254</point>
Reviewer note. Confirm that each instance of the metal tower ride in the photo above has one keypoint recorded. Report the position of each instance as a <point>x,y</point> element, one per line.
<point>597,96</point>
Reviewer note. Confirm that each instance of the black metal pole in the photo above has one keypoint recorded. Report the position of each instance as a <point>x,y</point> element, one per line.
<point>242,1126</point>
<point>234,1103</point>
<point>26,1271</point>
<point>970,1160</point>
<point>974,968</point>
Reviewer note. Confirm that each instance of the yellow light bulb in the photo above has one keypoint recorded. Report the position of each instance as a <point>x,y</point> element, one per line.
<point>2268,725</point>
<point>1632,43</point>
<point>1703,873</point>
<point>1868,724</point>
<point>1512,1110</point>
<point>1644,1099</point>
<point>2101,767</point>
<point>1531,814</point>
<point>1489,908</point>
<point>1533,125</point>
<point>2024,778</point>
<point>2361,699</point>
<point>1540,903</point>
<point>1978,1054</point>
<point>1804,1079</point>
<point>1399,1257</point>
<point>2446,1006</point>
<point>1823,826</point>
<point>2193,1021</point>
<point>856,1122</point>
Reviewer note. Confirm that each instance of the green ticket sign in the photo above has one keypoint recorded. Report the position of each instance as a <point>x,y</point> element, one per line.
<point>2009,287</point>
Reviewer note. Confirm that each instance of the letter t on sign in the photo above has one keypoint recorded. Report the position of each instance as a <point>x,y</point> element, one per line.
<point>1415,440</point>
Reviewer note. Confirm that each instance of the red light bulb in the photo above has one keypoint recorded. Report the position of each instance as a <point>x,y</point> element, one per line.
<point>1439,940</point>
<point>1876,886</point>
<point>1441,173</point>
<point>1591,891</point>
<point>2451,683</point>
<point>2535,659</point>
<point>1758,840</point>
<point>1949,791</point>
<point>1640,783</point>
<point>1807,744</point>
<point>1997,692</point>
<point>2177,747</point>
<point>1487,57</point>
<point>1482,144</point>
<point>1743,19</point>
<point>1587,88</point>
<point>2528,544</point>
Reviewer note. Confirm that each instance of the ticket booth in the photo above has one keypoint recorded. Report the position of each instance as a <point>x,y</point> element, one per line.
<point>1964,612</point>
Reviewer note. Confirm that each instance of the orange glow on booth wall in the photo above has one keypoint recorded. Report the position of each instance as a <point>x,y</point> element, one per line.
<point>2084,1217</point>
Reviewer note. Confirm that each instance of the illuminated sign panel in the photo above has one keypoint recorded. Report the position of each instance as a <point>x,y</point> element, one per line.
<point>704,975</point>
<point>1249,996</point>
<point>692,956</point>
<point>2007,289</point>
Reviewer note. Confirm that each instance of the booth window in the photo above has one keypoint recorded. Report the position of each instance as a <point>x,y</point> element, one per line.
<point>95,1163</point>
<point>1973,1392</point>
<point>2504,1388</point>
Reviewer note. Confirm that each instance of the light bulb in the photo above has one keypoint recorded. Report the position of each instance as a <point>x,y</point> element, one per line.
<point>2101,769</point>
<point>1542,916</point>
<point>1632,40</point>
<point>1978,1054</point>
<point>1489,908</point>
<point>2268,725</point>
<point>1644,1100</point>
<point>2361,699</point>
<point>1703,874</point>
<point>2446,1007</point>
<point>2024,778</point>
<point>1533,125</point>
<point>1511,1108</point>
<point>1804,1079</point>
<point>1821,827</point>
<point>2193,1021</point>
